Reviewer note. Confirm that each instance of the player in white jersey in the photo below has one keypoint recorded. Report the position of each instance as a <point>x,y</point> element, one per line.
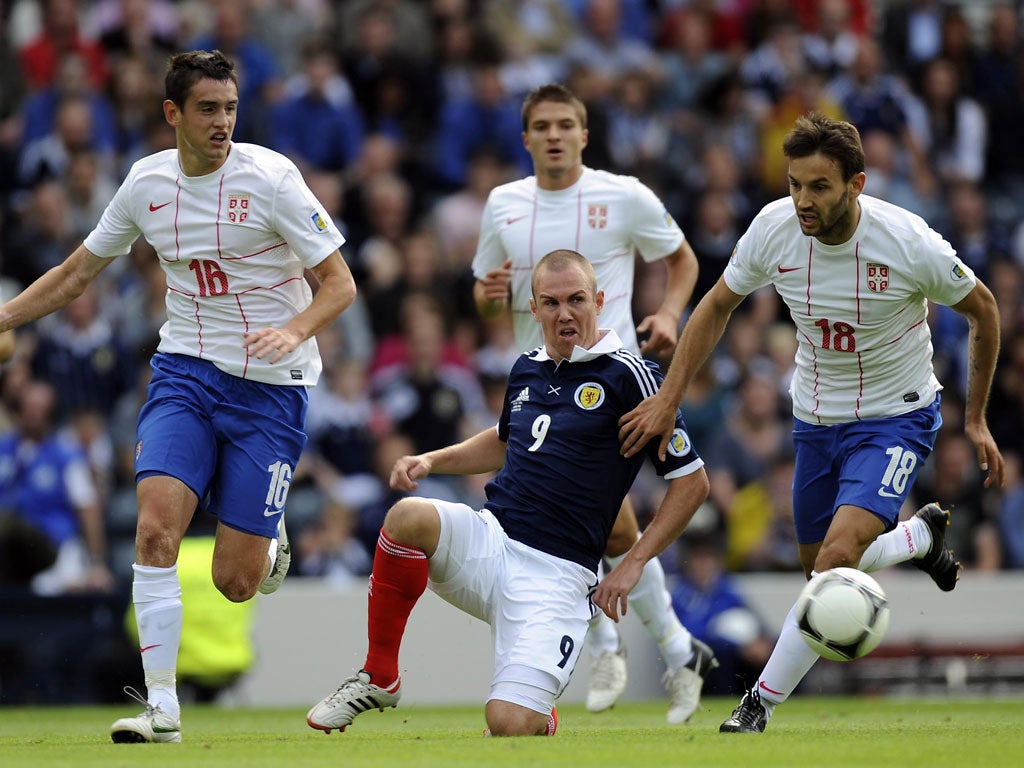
<point>235,229</point>
<point>609,219</point>
<point>856,274</point>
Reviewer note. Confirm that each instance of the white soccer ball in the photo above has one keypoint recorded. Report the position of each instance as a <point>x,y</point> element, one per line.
<point>842,614</point>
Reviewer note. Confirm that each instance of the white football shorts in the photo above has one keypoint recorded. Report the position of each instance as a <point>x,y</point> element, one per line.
<point>538,605</point>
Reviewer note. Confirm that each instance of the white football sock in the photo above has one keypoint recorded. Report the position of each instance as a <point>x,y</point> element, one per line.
<point>653,604</point>
<point>909,539</point>
<point>156,595</point>
<point>790,661</point>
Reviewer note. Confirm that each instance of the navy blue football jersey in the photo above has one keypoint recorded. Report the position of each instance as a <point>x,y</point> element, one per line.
<point>564,479</point>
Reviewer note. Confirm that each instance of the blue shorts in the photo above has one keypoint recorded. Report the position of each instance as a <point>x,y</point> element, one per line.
<point>870,464</point>
<point>234,442</point>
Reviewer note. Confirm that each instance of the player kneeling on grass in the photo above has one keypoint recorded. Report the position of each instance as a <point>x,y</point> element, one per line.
<point>527,562</point>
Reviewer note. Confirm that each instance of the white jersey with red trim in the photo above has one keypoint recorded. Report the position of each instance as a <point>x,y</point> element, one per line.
<point>606,217</point>
<point>860,308</point>
<point>233,244</point>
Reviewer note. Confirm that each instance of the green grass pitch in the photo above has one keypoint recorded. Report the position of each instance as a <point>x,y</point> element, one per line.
<point>829,732</point>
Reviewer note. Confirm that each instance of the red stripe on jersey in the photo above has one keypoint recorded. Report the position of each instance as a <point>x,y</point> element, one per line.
<point>533,227</point>
<point>256,253</point>
<point>810,255</point>
<point>579,217</point>
<point>860,385</point>
<point>220,202</point>
<point>199,328</point>
<point>900,337</point>
<point>177,210</point>
<point>245,330</point>
<point>856,288</point>
<point>814,365</point>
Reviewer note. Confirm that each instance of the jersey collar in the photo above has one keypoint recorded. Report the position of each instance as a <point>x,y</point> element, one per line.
<point>607,343</point>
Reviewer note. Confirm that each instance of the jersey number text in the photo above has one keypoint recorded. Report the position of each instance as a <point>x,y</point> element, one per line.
<point>211,278</point>
<point>837,336</point>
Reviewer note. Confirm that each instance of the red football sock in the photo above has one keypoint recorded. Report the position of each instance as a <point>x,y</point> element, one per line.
<point>399,578</point>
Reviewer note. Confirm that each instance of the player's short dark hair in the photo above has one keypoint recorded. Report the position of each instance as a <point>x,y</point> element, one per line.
<point>838,140</point>
<point>562,259</point>
<point>184,70</point>
<point>557,93</point>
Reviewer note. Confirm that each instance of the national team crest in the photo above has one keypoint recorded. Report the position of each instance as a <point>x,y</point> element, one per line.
<point>679,445</point>
<point>589,395</point>
<point>238,208</point>
<point>878,277</point>
<point>597,216</point>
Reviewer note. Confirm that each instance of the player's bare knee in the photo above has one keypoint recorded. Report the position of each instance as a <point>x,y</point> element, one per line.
<point>236,587</point>
<point>619,543</point>
<point>413,521</point>
<point>506,719</point>
<point>624,531</point>
<point>155,545</point>
<point>837,554</point>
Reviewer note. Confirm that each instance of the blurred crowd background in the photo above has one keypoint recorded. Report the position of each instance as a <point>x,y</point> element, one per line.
<point>402,115</point>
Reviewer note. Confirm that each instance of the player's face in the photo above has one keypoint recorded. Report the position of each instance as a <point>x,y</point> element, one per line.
<point>555,139</point>
<point>566,308</point>
<point>204,127</point>
<point>826,206</point>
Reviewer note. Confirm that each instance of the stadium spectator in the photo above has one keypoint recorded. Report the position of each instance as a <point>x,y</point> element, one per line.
<point>286,26</point>
<point>831,44</point>
<point>528,526</point>
<point>708,601</point>
<point>875,99</point>
<point>39,232</point>
<point>604,47</point>
<point>488,117</point>
<point>1011,515</point>
<point>78,351</point>
<point>385,48</point>
<point>60,37</point>
<point>864,425</point>
<point>610,219</point>
<point>751,437</point>
<point>45,481</point>
<point>638,132</point>
<point>950,127</point>
<point>327,548</point>
<point>72,130</point>
<point>137,29</point>
<point>533,35</point>
<point>225,428</point>
<point>259,74</point>
<point>426,394</point>
<point>689,65</point>
<point>911,34</point>
<point>317,123</point>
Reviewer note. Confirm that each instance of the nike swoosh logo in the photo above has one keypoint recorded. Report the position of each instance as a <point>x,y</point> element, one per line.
<point>510,221</point>
<point>268,512</point>
<point>146,648</point>
<point>154,208</point>
<point>784,270</point>
<point>885,494</point>
<point>765,687</point>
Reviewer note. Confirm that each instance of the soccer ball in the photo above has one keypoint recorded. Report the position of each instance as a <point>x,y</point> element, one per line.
<point>842,614</point>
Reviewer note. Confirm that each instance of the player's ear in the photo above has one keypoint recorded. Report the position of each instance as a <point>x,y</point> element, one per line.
<point>586,137</point>
<point>599,301</point>
<point>171,113</point>
<point>533,309</point>
<point>857,183</point>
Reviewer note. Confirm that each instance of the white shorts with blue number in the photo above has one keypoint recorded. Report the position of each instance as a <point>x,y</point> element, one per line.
<point>537,605</point>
